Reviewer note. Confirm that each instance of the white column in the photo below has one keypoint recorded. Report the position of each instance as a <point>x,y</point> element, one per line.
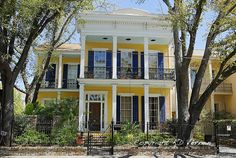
<point>81,107</point>
<point>146,66</point>
<point>60,72</point>
<point>114,57</point>
<point>146,106</point>
<point>114,92</point>
<point>212,95</point>
<point>82,55</point>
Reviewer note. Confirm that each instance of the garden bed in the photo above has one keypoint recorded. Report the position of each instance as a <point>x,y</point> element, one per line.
<point>118,150</point>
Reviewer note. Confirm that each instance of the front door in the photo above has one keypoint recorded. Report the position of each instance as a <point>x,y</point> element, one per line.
<point>94,116</point>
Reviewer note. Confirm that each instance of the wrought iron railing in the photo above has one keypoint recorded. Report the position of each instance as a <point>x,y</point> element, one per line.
<point>49,84</point>
<point>222,88</point>
<point>98,72</point>
<point>130,73</point>
<point>70,84</point>
<point>161,74</point>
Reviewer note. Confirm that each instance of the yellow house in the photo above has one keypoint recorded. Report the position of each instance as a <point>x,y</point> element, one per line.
<point>123,70</point>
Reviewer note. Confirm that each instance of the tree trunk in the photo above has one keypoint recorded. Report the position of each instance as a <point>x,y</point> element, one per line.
<point>36,92</point>
<point>7,110</point>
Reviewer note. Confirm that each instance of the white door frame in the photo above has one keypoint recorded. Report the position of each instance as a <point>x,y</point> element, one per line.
<point>98,101</point>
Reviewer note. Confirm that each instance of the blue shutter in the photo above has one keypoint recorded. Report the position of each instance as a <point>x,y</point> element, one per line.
<point>90,62</point>
<point>135,109</point>
<point>142,65</point>
<point>161,65</point>
<point>51,73</point>
<point>117,109</point>
<point>78,74</point>
<point>162,109</point>
<point>118,63</point>
<point>65,75</point>
<point>135,63</point>
<point>143,113</point>
<point>109,64</point>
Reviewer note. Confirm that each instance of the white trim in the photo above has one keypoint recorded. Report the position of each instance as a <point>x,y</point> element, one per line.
<point>153,51</point>
<point>60,72</point>
<point>146,105</point>
<point>126,94</point>
<point>114,57</point>
<point>154,95</point>
<point>105,93</point>
<point>114,101</point>
<point>146,58</point>
<point>131,96</point>
<point>99,49</point>
<point>126,50</point>
<point>58,90</point>
<point>127,82</point>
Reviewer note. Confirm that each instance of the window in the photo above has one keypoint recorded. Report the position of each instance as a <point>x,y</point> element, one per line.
<point>99,64</point>
<point>72,75</point>
<point>126,108</point>
<point>126,59</point>
<point>152,60</point>
<point>153,112</point>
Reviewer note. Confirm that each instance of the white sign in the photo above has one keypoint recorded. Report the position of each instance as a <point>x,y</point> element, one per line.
<point>228,128</point>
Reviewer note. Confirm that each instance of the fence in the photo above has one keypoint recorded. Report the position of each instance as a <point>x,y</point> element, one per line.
<point>106,139</point>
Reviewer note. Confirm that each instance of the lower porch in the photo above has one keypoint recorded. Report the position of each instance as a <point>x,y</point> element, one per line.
<point>146,106</point>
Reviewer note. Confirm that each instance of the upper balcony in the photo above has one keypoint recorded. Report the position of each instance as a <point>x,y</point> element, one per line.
<point>223,88</point>
<point>129,73</point>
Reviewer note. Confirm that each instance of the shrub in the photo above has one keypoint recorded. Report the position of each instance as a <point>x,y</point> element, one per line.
<point>20,125</point>
<point>33,108</point>
<point>65,135</point>
<point>32,137</point>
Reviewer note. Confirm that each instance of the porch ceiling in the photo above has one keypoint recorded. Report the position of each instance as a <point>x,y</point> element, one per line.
<point>128,39</point>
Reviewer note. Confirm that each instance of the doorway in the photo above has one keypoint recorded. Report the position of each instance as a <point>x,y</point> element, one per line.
<point>94,116</point>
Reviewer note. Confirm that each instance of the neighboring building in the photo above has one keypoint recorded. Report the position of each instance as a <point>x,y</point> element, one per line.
<point>123,70</point>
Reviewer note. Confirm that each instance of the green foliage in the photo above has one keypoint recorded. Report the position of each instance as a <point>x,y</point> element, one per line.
<point>20,125</point>
<point>223,115</point>
<point>65,135</point>
<point>32,137</point>
<point>34,108</point>
<point>67,109</point>
<point>18,103</point>
<point>198,134</point>
<point>129,128</point>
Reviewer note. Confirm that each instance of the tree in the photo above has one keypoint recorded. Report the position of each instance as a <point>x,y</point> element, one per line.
<point>59,32</point>
<point>186,17</point>
<point>21,22</point>
<point>57,35</point>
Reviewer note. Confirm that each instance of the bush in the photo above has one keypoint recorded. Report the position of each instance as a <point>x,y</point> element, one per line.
<point>33,108</point>
<point>32,137</point>
<point>20,125</point>
<point>64,135</point>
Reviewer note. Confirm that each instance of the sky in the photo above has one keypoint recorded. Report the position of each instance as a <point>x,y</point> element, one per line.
<point>158,7</point>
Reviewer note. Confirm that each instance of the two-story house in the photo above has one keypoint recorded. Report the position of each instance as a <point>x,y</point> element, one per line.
<point>123,70</point>
<point>120,71</point>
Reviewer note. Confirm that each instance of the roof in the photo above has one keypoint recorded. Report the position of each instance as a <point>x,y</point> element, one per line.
<point>63,47</point>
<point>131,11</point>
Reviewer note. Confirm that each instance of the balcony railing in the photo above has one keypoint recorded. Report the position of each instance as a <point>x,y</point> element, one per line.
<point>130,73</point>
<point>222,88</point>
<point>70,84</point>
<point>161,74</point>
<point>49,84</point>
<point>98,72</point>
